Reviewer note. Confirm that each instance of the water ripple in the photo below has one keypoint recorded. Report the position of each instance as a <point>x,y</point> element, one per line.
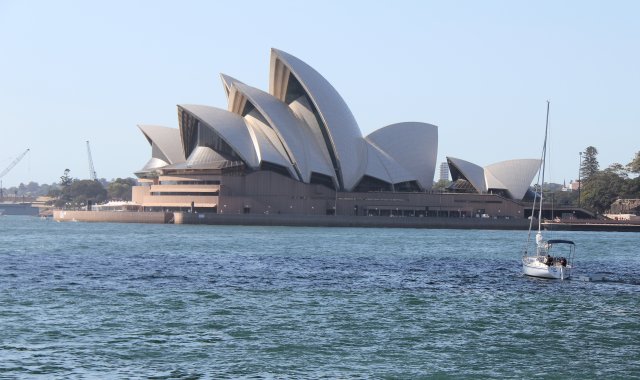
<point>191,302</point>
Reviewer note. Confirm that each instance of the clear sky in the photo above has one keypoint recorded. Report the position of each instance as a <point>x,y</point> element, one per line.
<point>72,71</point>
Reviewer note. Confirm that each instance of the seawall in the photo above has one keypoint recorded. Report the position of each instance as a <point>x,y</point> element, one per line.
<point>349,221</point>
<point>288,220</point>
<point>18,209</point>
<point>112,216</point>
<point>593,225</point>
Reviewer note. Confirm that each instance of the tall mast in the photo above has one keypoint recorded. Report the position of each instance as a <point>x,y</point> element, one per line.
<point>544,164</point>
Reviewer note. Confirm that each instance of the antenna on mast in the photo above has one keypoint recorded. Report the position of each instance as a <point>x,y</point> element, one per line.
<point>92,171</point>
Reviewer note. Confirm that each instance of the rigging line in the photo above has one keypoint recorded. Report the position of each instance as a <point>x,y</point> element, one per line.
<point>540,173</point>
<point>548,160</point>
<point>544,165</point>
<point>549,172</point>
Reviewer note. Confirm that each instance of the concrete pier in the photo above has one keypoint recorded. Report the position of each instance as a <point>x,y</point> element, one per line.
<point>593,225</point>
<point>113,216</point>
<point>289,220</point>
<point>349,221</point>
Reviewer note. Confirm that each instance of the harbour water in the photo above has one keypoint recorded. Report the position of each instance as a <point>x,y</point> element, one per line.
<point>81,300</point>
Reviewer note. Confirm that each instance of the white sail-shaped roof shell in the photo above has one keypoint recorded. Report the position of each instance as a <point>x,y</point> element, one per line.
<point>228,126</point>
<point>167,141</point>
<point>165,146</point>
<point>227,83</point>
<point>472,172</point>
<point>343,135</point>
<point>296,137</point>
<point>203,157</point>
<point>153,164</point>
<point>414,146</point>
<point>302,127</point>
<point>514,176</point>
<point>492,182</point>
<point>268,146</point>
<point>383,167</point>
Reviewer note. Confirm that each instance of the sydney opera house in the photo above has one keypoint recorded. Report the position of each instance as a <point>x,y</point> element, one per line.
<point>297,149</point>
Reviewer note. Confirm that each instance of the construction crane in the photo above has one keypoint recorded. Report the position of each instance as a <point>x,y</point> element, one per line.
<point>14,163</point>
<point>92,171</point>
<point>8,169</point>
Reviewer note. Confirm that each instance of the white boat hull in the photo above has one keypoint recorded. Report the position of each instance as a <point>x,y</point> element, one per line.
<point>533,267</point>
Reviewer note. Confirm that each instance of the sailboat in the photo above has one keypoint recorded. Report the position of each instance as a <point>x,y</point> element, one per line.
<point>549,258</point>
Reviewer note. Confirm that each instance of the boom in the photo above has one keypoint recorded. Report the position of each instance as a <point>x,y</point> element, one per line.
<point>92,171</point>
<point>14,163</point>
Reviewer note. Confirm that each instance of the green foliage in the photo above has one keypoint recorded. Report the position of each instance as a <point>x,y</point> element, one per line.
<point>618,170</point>
<point>78,193</point>
<point>634,165</point>
<point>632,188</point>
<point>120,189</point>
<point>601,190</point>
<point>31,189</point>
<point>589,164</point>
<point>553,187</point>
<point>54,192</point>
<point>441,185</point>
<point>563,198</point>
<point>65,179</point>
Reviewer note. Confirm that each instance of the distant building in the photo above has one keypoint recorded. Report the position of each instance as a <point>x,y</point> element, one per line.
<point>574,185</point>
<point>444,171</point>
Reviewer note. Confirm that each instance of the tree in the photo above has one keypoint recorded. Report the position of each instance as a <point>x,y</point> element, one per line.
<point>120,189</point>
<point>634,165</point>
<point>632,188</point>
<point>590,164</point>
<point>32,188</point>
<point>618,169</point>
<point>564,198</point>
<point>441,185</point>
<point>601,190</point>
<point>66,179</point>
<point>54,192</point>
<point>79,192</point>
